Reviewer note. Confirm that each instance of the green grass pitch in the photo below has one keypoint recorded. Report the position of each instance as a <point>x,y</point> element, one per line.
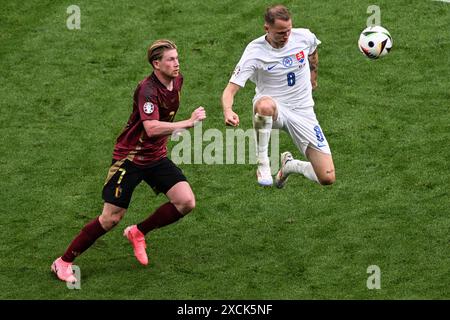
<point>66,94</point>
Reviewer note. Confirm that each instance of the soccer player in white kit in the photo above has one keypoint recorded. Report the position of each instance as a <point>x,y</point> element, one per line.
<point>283,65</point>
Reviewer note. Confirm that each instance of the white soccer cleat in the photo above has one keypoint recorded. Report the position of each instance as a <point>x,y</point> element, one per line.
<point>263,174</point>
<point>282,176</point>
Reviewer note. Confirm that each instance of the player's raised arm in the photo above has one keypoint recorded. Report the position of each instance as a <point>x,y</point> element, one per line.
<point>230,117</point>
<point>313,66</point>
<point>155,128</point>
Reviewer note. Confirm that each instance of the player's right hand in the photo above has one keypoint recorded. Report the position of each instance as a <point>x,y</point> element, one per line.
<point>231,118</point>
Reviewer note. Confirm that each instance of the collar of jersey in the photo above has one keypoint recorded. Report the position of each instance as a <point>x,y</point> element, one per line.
<point>267,44</point>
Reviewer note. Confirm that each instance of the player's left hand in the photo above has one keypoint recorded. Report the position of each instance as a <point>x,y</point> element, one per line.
<point>199,114</point>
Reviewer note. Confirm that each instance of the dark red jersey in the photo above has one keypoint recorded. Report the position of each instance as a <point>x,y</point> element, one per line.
<point>152,101</point>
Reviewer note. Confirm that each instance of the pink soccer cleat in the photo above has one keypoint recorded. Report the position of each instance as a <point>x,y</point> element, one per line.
<point>63,270</point>
<point>137,240</point>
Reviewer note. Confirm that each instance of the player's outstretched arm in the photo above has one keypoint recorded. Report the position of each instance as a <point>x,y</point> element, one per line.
<point>230,117</point>
<point>155,128</point>
<point>313,66</point>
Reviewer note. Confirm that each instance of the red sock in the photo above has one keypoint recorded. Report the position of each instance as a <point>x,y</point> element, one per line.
<point>164,215</point>
<point>90,232</point>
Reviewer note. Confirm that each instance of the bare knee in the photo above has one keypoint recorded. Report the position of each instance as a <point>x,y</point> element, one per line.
<point>185,205</point>
<point>265,106</point>
<point>111,216</point>
<point>328,178</point>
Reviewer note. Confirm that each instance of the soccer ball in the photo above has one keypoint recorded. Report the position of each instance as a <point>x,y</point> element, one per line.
<point>375,42</point>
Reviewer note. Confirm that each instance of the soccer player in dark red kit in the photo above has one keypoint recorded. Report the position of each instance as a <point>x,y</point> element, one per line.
<point>140,154</point>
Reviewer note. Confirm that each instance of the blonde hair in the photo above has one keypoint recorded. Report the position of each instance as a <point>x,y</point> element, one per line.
<point>276,12</point>
<point>157,48</point>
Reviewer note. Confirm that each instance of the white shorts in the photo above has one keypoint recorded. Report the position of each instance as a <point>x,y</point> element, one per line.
<point>302,126</point>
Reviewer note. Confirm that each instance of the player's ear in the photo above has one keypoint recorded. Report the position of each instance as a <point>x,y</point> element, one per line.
<point>156,64</point>
<point>266,27</point>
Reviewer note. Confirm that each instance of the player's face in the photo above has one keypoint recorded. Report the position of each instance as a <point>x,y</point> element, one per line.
<point>169,64</point>
<point>278,33</point>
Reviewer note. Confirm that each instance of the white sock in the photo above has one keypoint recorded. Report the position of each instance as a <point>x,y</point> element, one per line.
<point>263,126</point>
<point>303,167</point>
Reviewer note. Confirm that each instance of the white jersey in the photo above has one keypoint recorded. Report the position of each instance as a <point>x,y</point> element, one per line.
<point>282,73</point>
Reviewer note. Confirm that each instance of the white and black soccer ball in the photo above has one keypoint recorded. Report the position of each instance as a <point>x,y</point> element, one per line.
<point>375,42</point>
